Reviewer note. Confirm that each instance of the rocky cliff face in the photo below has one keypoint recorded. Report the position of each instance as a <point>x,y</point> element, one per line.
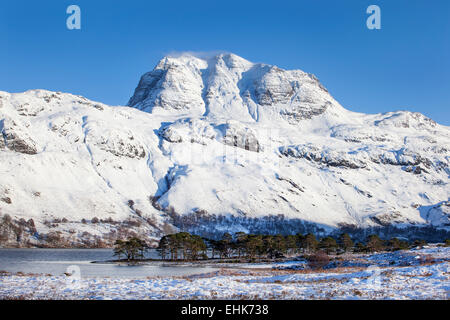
<point>213,145</point>
<point>226,86</point>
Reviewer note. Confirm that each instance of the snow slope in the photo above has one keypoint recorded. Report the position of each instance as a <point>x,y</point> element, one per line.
<point>215,144</point>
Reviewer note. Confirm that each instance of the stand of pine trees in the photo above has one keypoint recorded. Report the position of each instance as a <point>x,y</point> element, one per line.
<point>189,247</point>
<point>185,246</point>
<point>133,248</point>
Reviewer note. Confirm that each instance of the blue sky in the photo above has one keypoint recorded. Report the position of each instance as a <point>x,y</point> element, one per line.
<point>405,65</point>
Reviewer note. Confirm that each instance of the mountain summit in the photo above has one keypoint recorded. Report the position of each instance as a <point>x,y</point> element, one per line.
<point>214,144</point>
<point>226,86</point>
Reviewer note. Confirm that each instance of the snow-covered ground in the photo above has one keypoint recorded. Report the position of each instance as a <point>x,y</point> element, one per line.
<point>425,275</point>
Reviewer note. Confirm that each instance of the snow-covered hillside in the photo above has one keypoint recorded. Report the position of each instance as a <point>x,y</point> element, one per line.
<point>214,144</point>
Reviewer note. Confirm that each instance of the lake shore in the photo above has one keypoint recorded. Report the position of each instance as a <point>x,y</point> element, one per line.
<point>408,274</point>
<point>422,282</point>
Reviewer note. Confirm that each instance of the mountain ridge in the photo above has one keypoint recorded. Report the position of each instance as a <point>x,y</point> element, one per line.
<point>211,146</point>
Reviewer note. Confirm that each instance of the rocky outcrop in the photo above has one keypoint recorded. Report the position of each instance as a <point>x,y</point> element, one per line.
<point>391,218</point>
<point>406,119</point>
<point>274,87</point>
<point>173,85</point>
<point>238,135</point>
<point>116,142</point>
<point>15,137</point>
<point>323,156</point>
<point>189,130</point>
<point>439,215</point>
<point>356,158</point>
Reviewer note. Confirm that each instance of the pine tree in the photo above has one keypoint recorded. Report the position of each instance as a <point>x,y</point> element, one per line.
<point>268,245</point>
<point>345,242</point>
<point>328,244</point>
<point>173,246</point>
<point>132,248</point>
<point>241,238</point>
<point>360,247</point>
<point>163,247</point>
<point>291,244</point>
<point>254,245</point>
<point>310,243</point>
<point>225,245</point>
<point>195,245</point>
<point>374,243</point>
<point>280,244</point>
<point>300,239</point>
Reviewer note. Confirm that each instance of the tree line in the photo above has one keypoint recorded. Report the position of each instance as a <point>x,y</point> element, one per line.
<point>186,246</point>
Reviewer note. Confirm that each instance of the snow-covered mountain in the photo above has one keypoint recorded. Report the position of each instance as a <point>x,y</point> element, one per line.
<point>211,145</point>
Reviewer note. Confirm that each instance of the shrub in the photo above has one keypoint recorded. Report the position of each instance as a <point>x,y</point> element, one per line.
<point>419,243</point>
<point>48,223</point>
<point>7,219</point>
<point>86,234</point>
<point>32,226</point>
<point>152,221</point>
<point>395,244</point>
<point>167,228</point>
<point>138,212</point>
<point>133,223</point>
<point>54,238</point>
<point>108,220</point>
<point>318,260</point>
<point>95,220</point>
<point>7,200</point>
